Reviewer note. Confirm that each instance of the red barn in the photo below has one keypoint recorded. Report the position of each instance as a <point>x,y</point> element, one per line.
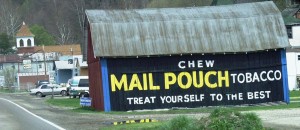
<point>186,57</point>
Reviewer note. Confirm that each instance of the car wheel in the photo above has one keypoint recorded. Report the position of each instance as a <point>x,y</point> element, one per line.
<point>74,96</point>
<point>39,94</point>
<point>63,93</point>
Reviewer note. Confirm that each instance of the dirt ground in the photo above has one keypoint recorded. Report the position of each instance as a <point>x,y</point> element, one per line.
<point>287,119</point>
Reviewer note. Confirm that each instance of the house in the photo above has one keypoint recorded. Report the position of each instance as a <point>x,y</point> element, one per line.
<point>293,57</point>
<point>67,67</point>
<point>33,63</point>
<point>292,23</point>
<point>186,57</point>
<point>63,71</point>
<point>292,11</point>
<point>82,67</point>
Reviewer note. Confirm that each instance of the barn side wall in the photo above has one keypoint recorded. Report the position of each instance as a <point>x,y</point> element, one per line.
<point>96,91</point>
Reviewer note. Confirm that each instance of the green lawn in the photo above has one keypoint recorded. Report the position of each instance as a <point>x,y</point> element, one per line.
<point>74,103</point>
<point>4,90</point>
<point>294,93</point>
<point>67,102</point>
<point>134,126</point>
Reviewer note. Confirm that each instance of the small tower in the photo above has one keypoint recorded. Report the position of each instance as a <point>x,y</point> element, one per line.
<point>24,37</point>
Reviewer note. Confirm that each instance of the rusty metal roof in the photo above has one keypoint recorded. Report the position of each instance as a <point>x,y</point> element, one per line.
<point>63,49</point>
<point>213,29</point>
<point>24,31</point>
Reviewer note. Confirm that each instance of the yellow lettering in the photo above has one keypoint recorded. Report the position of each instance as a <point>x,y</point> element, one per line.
<point>152,87</point>
<point>207,82</point>
<point>168,82</point>
<point>115,83</point>
<point>135,82</point>
<point>145,84</point>
<point>221,78</point>
<point>188,80</point>
<point>200,79</point>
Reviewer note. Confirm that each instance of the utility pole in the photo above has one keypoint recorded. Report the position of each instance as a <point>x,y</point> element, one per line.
<point>45,62</point>
<point>73,63</point>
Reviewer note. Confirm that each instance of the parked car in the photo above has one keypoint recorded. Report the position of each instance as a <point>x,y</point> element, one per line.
<point>46,89</point>
<point>79,86</point>
<point>40,82</point>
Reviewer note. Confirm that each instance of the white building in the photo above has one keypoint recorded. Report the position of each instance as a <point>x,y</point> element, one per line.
<point>24,37</point>
<point>293,57</point>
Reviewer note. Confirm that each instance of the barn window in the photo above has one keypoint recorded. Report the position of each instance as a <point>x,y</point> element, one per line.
<point>298,57</point>
<point>21,43</point>
<point>29,42</point>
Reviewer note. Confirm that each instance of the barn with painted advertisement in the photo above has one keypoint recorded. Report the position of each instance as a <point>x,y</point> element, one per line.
<point>186,57</point>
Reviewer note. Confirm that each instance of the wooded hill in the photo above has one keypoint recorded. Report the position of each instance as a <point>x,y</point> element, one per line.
<point>63,20</point>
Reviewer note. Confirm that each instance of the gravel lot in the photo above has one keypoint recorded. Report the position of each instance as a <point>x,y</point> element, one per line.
<point>287,119</point>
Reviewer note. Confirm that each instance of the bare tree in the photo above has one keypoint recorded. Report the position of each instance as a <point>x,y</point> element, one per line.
<point>9,76</point>
<point>63,25</point>
<point>79,7</point>
<point>64,32</point>
<point>9,18</point>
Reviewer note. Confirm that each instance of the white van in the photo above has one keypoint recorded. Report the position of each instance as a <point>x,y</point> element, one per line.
<point>79,86</point>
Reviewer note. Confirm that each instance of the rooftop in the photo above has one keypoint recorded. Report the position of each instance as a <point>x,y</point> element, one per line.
<point>63,49</point>
<point>24,31</point>
<point>164,31</point>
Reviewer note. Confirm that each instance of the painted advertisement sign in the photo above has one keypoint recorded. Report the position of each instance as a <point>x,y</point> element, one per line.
<point>195,80</point>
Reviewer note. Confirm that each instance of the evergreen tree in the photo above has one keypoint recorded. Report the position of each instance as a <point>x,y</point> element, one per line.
<point>5,44</point>
<point>42,37</point>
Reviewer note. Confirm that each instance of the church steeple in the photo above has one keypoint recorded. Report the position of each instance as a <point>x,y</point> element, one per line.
<point>24,37</point>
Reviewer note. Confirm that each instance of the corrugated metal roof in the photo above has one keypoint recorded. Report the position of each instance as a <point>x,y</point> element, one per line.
<point>213,29</point>
<point>63,49</point>
<point>63,65</point>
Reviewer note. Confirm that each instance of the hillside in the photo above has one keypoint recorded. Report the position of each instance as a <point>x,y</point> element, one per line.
<point>64,19</point>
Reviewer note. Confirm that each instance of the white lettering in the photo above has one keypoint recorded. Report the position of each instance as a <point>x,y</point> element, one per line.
<point>209,63</point>
<point>195,63</point>
<point>191,64</point>
<point>277,75</point>
<point>255,77</point>
<point>219,97</point>
<point>179,98</point>
<point>141,100</point>
<point>258,95</point>
<point>200,64</point>
<point>180,64</point>
<point>261,76</point>
<point>268,75</point>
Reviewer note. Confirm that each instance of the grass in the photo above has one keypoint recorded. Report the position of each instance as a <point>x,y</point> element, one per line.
<point>294,93</point>
<point>74,103</point>
<point>68,102</point>
<point>4,90</point>
<point>9,90</point>
<point>134,126</point>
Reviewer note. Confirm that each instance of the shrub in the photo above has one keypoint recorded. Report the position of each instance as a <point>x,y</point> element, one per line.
<point>219,119</point>
<point>178,123</point>
<point>225,119</point>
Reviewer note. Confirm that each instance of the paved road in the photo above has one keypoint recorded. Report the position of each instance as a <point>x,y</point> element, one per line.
<point>15,117</point>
